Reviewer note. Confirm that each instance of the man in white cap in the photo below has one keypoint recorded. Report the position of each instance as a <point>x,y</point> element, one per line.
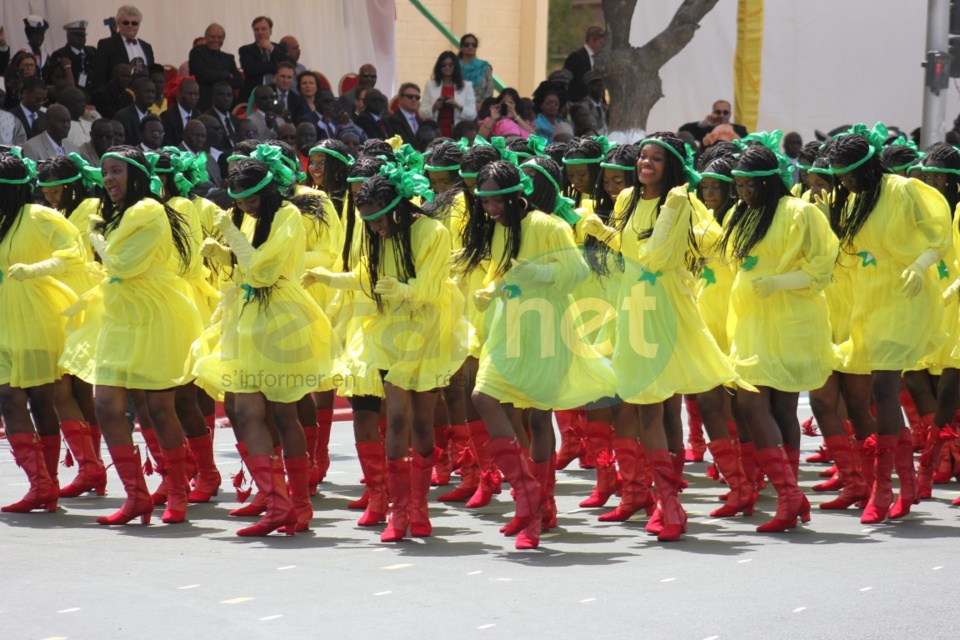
<point>76,57</point>
<point>35,28</point>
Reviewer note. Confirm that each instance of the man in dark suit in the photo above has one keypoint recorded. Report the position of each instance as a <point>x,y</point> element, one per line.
<point>144,93</point>
<point>259,60</point>
<point>581,61</point>
<point>122,47</point>
<point>210,64</point>
<point>30,110</point>
<point>176,117</point>
<point>221,110</point>
<point>324,119</point>
<point>114,96</point>
<point>195,141</point>
<point>79,55</point>
<point>371,119</point>
<point>288,100</point>
<point>405,121</point>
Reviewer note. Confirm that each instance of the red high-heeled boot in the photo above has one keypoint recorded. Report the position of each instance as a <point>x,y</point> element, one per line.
<point>440,476</point>
<point>467,461</point>
<point>526,491</point>
<point>96,436</point>
<point>267,472</point>
<point>490,480</point>
<point>258,505</point>
<point>322,452</point>
<point>126,460</point>
<point>740,498</point>
<point>50,446</point>
<point>28,453</point>
<point>458,438</point>
<point>672,515</point>
<point>421,470</point>
<point>793,457</point>
<point>881,497</point>
<point>178,485</point>
<point>156,452</point>
<point>854,487</point>
<point>572,445</point>
<point>914,419</point>
<point>546,474</point>
<point>598,437</point>
<point>208,476</point>
<point>298,472</point>
<point>398,480</point>
<point>697,445</point>
<point>791,502</point>
<point>311,434</point>
<point>903,462</point>
<point>91,476</point>
<point>932,452</point>
<point>373,461</point>
<point>636,486</point>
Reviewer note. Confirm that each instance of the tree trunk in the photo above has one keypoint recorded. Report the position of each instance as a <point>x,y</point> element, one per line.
<point>632,74</point>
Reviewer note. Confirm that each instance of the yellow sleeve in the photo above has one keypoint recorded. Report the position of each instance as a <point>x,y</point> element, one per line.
<point>195,235</point>
<point>143,232</point>
<point>431,257</point>
<point>554,238</point>
<point>207,211</point>
<point>670,254</point>
<point>285,243</point>
<point>706,229</point>
<point>811,246</point>
<point>60,237</point>
<point>324,239</point>
<point>931,214</point>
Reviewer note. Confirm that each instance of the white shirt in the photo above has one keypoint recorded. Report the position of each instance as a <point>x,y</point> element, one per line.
<point>591,53</point>
<point>184,114</point>
<point>135,51</point>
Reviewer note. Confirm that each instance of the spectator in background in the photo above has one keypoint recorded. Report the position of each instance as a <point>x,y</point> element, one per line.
<point>427,133</point>
<point>216,145</point>
<point>504,119</point>
<point>81,121</point>
<point>792,143</point>
<point>563,131</point>
<point>150,133</point>
<point>308,85</point>
<point>76,53</point>
<point>581,61</point>
<point>259,60</point>
<point>324,117</point>
<point>477,72</point>
<point>371,120</point>
<point>22,67</point>
<point>30,110</point>
<point>130,117</point>
<point>289,102</point>
<point>124,47</point>
<point>549,101</point>
<point>265,115</point>
<point>719,114</point>
<point>596,101</point>
<point>53,141</point>
<point>366,79</point>
<point>184,69</point>
<point>351,137</point>
<point>287,132</point>
<point>101,139</point>
<point>250,130</point>
<point>195,141</point>
<point>221,109</point>
<point>210,64</point>
<point>293,52</point>
<point>114,96</point>
<point>405,121</point>
<point>447,99</point>
<point>119,132</point>
<point>465,129</point>
<point>175,118</point>
<point>159,78</point>
<point>306,140</point>
<point>35,28</point>
<point>11,131</point>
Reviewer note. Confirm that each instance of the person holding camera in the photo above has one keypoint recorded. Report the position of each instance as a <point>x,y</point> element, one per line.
<point>504,119</point>
<point>447,98</point>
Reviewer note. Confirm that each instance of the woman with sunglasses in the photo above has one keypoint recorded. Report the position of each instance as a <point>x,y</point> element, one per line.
<point>477,72</point>
<point>447,99</point>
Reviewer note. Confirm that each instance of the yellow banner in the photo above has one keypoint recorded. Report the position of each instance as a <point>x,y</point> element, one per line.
<point>746,64</point>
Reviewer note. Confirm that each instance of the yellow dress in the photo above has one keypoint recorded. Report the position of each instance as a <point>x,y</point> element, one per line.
<point>597,293</point>
<point>324,244</point>
<point>663,347</point>
<point>536,354</point>
<point>716,275</point>
<point>784,341</point>
<point>420,343</point>
<point>284,347</point>
<point>196,275</point>
<point>148,320</point>
<point>83,280</point>
<point>947,356</point>
<point>32,331</point>
<point>888,331</point>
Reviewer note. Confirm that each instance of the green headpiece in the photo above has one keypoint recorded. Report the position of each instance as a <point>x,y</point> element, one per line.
<point>149,170</point>
<point>407,183</point>
<point>901,141</point>
<point>875,137</point>
<point>30,165</point>
<point>89,174</point>
<point>525,185</point>
<point>693,178</point>
<point>409,158</point>
<point>278,170</point>
<point>500,144</point>
<point>538,145</point>
<point>770,140</point>
<point>331,152</point>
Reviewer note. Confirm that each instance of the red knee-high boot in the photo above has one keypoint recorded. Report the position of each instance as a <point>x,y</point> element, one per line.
<point>154,451</point>
<point>208,476</point>
<point>311,434</point>
<point>50,445</point>
<point>421,469</point>
<point>43,493</point>
<point>444,466</point>
<point>636,485</point>
<point>322,453</point>
<point>793,457</point>
<point>490,479</point>
<point>126,460</point>
<point>881,496</point>
<point>903,462</point>
<point>868,464</point>
<point>467,461</point>
<point>697,445</point>
<point>298,473</point>
<point>267,472</point>
<point>546,474</point>
<point>398,480</point>
<point>96,436</point>
<point>740,498</point>
<point>373,461</point>
<point>791,503</point>
<point>91,476</point>
<point>571,440</point>
<point>855,487</point>
<point>259,503</point>
<point>526,490</point>
<point>665,478</point>
<point>599,443</point>
<point>932,451</point>
<point>178,484</point>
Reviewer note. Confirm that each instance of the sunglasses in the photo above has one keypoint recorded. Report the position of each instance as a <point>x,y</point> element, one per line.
<point>130,23</point>
<point>469,44</point>
<point>446,64</point>
<point>410,96</point>
<point>368,75</point>
<point>721,112</point>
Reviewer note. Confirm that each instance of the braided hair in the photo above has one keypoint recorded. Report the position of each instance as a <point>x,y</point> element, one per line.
<point>375,147</point>
<point>13,197</point>
<point>544,196</point>
<point>478,235</point>
<point>720,165</point>
<point>138,188</point>
<point>847,219</point>
<point>945,156</point>
<point>673,176</point>
<point>751,223</point>
<point>474,159</point>
<point>898,155</point>
<point>335,174</point>
<point>63,168</point>
<point>556,150</point>
<point>446,154</point>
<point>378,191</point>
<point>578,149</point>
<point>722,149</point>
<point>364,167</point>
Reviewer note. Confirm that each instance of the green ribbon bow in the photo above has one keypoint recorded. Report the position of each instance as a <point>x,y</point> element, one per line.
<point>708,275</point>
<point>771,140</point>
<point>31,167</point>
<point>538,145</point>
<point>500,144</point>
<point>866,258</point>
<point>902,141</point>
<point>876,136</point>
<point>115,280</point>
<point>156,185</point>
<point>463,143</point>
<point>90,175</point>
<point>749,263</point>
<point>181,163</point>
<point>649,276</point>
<point>566,210</point>
<point>409,158</point>
<point>277,163</point>
<point>407,183</point>
<point>606,145</point>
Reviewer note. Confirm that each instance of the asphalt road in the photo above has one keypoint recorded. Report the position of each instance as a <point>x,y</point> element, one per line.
<point>63,576</point>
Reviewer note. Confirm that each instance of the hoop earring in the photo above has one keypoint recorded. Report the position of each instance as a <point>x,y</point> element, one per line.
<point>524,203</point>
<point>396,220</point>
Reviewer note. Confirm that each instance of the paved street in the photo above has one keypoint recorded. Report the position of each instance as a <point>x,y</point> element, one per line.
<point>63,576</point>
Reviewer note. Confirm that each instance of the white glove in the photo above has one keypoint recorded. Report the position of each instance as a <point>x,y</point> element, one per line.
<point>911,280</point>
<point>667,218</point>
<point>764,286</point>
<point>215,251</point>
<point>525,272</point>
<point>390,288</point>
<point>50,267</point>
<point>238,242</point>
<point>951,291</point>
<point>483,297</point>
